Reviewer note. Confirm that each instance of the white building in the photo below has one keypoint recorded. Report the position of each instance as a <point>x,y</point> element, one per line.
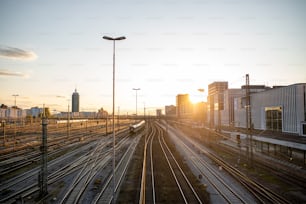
<point>3,113</point>
<point>280,109</point>
<point>170,110</point>
<point>11,113</point>
<point>234,99</point>
<point>35,111</point>
<point>228,114</point>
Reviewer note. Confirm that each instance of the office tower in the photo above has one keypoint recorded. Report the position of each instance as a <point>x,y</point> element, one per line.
<point>75,101</point>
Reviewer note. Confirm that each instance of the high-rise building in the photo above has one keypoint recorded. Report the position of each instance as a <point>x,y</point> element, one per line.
<point>216,101</point>
<point>170,110</point>
<point>158,112</point>
<point>75,102</point>
<point>183,106</point>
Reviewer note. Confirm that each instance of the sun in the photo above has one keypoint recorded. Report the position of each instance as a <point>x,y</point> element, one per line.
<point>197,96</point>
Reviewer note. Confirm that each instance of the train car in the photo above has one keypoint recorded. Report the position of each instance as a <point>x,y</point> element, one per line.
<point>136,127</point>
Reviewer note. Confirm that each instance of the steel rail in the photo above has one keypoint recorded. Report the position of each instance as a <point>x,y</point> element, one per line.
<point>105,194</point>
<point>255,188</point>
<point>143,187</point>
<point>213,173</point>
<point>178,166</point>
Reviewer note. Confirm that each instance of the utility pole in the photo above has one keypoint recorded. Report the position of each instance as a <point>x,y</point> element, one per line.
<point>43,174</point>
<point>201,118</point>
<point>219,112</point>
<point>248,120</point>
<point>68,122</point>
<point>146,122</point>
<point>144,111</point>
<point>3,128</point>
<point>15,95</point>
<point>106,125</point>
<point>136,89</point>
<point>118,122</point>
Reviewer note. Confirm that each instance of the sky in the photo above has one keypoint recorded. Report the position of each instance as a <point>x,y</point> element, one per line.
<point>50,48</point>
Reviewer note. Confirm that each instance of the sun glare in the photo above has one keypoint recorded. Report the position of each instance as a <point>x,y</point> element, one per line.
<point>196,98</point>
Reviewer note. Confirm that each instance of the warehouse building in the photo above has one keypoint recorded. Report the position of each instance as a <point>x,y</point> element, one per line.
<point>236,99</point>
<point>281,109</point>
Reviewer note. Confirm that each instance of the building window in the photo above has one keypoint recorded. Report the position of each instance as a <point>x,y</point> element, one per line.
<point>304,129</point>
<point>274,118</point>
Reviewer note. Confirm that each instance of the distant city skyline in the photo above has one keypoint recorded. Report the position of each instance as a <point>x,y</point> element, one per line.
<point>172,47</point>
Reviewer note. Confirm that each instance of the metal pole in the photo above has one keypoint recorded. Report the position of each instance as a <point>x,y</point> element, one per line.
<point>114,140</point>
<point>15,133</point>
<point>106,125</point>
<point>219,112</point>
<point>43,174</point>
<point>144,111</point>
<point>68,122</point>
<point>15,95</point>
<point>113,115</point>
<point>16,115</point>
<point>202,118</point>
<point>136,98</point>
<point>118,119</point>
<point>3,126</point>
<point>249,121</point>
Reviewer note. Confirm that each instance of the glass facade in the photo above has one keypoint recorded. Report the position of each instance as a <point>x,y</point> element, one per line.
<point>274,118</point>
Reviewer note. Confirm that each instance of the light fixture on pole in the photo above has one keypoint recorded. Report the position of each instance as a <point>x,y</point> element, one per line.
<point>113,116</point>
<point>15,95</point>
<point>202,91</point>
<point>15,107</point>
<point>136,89</point>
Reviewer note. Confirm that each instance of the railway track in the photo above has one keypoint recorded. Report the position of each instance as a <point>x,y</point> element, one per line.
<point>147,189</point>
<point>106,193</point>
<point>261,193</point>
<point>213,176</point>
<point>17,138</point>
<point>180,183</point>
<point>96,162</point>
<point>52,165</point>
<point>17,184</point>
<point>76,161</point>
<point>58,141</point>
<point>187,191</point>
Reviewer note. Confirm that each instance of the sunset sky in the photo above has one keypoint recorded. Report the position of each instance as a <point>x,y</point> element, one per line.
<point>49,48</point>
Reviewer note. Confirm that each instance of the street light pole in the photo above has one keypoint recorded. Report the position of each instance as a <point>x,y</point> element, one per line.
<point>113,116</point>
<point>16,115</point>
<point>136,89</point>
<point>68,122</point>
<point>15,95</point>
<point>202,91</point>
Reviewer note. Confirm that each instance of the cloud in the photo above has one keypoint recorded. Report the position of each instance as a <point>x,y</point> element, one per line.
<point>10,73</point>
<point>60,96</point>
<point>16,53</point>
